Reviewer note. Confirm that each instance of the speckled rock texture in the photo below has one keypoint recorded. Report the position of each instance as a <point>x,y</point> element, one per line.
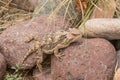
<point>89,59</point>
<point>46,75</point>
<point>2,65</point>
<point>12,40</point>
<point>107,28</point>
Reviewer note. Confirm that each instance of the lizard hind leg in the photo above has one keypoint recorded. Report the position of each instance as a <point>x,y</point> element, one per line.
<point>34,48</point>
<point>39,66</point>
<point>30,51</point>
<point>39,60</point>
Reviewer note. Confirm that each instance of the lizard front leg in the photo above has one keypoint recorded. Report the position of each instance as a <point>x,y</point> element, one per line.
<point>28,39</point>
<point>31,38</point>
<point>56,50</point>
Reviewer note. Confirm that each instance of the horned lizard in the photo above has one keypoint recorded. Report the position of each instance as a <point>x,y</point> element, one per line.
<point>52,42</point>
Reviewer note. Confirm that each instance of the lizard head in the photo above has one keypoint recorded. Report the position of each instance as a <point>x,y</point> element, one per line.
<point>74,34</point>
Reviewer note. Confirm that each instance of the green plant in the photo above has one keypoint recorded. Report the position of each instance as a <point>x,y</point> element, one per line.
<point>15,76</point>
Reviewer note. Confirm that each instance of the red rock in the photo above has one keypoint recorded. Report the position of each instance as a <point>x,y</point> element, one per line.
<point>2,65</point>
<point>45,75</point>
<point>13,39</point>
<point>89,59</point>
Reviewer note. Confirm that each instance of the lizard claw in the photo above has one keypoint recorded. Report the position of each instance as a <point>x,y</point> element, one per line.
<point>59,56</point>
<point>39,66</point>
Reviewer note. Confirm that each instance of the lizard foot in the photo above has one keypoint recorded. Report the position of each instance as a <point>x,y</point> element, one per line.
<point>39,66</point>
<point>59,56</point>
<point>39,61</point>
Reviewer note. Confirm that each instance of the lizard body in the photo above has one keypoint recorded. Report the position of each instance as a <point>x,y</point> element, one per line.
<point>52,42</point>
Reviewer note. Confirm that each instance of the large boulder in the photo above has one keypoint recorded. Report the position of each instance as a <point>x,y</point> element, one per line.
<point>12,40</point>
<point>88,59</point>
<point>2,65</point>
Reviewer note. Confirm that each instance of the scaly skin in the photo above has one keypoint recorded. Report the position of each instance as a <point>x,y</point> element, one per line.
<point>51,43</point>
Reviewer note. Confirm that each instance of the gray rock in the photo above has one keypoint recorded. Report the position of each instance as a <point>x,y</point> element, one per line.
<point>108,28</point>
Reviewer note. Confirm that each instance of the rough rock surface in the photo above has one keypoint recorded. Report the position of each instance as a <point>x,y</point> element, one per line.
<point>46,75</point>
<point>13,39</point>
<point>89,59</point>
<point>2,65</point>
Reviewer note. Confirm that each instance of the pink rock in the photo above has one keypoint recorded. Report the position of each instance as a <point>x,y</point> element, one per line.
<point>89,59</point>
<point>13,39</point>
<point>45,75</point>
